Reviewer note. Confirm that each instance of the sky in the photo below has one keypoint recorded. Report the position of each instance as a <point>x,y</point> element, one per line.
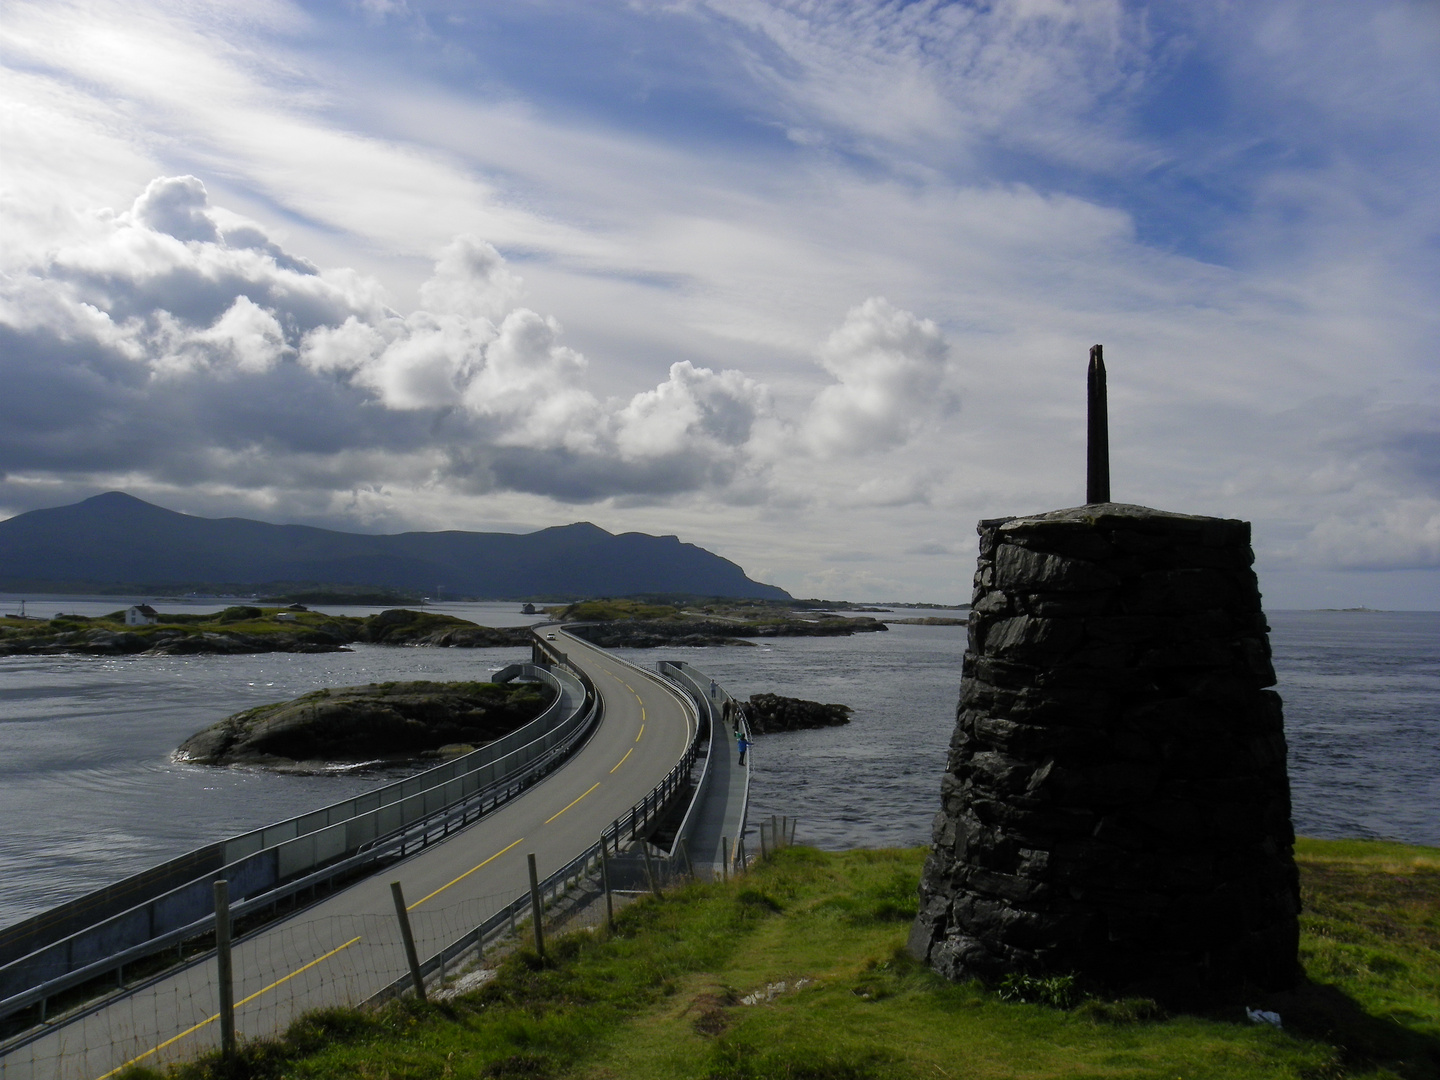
<point>810,284</point>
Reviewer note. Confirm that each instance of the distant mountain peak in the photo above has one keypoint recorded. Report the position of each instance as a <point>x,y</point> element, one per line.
<point>578,528</point>
<point>117,498</point>
<point>112,504</point>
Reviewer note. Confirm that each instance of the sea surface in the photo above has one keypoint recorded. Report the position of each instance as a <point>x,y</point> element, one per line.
<point>88,793</point>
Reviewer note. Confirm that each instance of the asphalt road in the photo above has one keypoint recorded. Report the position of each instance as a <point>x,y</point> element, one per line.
<point>347,947</point>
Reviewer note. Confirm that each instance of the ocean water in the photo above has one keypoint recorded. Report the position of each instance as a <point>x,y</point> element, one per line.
<point>88,793</point>
<point>1362,717</point>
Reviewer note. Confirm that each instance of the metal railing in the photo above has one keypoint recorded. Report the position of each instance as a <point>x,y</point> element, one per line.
<point>677,674</point>
<point>386,822</point>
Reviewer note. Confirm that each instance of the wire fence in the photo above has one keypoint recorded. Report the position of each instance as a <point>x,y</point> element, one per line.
<point>303,964</point>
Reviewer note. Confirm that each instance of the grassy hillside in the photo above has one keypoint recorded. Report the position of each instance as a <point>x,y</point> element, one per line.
<point>813,940</point>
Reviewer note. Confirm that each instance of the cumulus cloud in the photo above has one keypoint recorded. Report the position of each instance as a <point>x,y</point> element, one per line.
<point>718,410</point>
<point>892,377</point>
<point>1403,534</point>
<point>177,206</point>
<point>174,342</point>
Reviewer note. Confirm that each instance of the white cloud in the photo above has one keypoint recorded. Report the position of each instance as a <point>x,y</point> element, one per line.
<point>247,338</point>
<point>471,280</point>
<point>1401,535</point>
<point>177,206</point>
<point>892,377</point>
<point>719,410</point>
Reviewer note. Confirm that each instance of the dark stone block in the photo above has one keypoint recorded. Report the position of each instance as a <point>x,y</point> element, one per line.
<point>1050,605</point>
<point>1004,674</point>
<point>1029,640</point>
<point>992,602</point>
<point>1023,569</point>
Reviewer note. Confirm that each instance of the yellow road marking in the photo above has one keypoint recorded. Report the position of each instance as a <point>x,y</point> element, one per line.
<point>624,759</point>
<point>162,1046</point>
<point>462,877</point>
<point>557,813</point>
<point>642,732</point>
<point>210,1020</point>
<point>297,971</point>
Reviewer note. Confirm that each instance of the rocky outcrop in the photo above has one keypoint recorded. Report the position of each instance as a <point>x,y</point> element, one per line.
<point>379,724</point>
<point>657,633</point>
<point>244,629</point>
<point>403,626</point>
<point>767,713</point>
<point>1115,803</point>
<point>100,641</point>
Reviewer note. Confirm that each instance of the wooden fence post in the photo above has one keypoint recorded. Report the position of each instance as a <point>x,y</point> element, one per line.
<point>224,971</point>
<point>411,957</point>
<point>537,910</point>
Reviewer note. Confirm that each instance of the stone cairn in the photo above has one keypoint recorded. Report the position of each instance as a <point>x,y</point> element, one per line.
<point>1115,803</point>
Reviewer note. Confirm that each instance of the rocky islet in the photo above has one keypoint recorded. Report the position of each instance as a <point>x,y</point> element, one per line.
<point>247,629</point>
<point>770,713</point>
<point>378,725</point>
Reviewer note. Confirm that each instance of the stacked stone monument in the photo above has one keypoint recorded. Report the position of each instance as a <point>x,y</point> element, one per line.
<point>1115,803</point>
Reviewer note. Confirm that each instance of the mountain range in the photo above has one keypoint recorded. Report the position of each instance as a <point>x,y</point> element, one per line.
<point>116,540</point>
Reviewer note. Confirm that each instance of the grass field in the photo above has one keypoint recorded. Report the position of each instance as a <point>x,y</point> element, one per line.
<point>795,972</point>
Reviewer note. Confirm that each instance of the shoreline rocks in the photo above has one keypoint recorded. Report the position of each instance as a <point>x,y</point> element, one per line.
<point>770,713</point>
<point>239,630</point>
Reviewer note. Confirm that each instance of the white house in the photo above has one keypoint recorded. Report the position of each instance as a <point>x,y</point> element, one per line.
<point>141,615</point>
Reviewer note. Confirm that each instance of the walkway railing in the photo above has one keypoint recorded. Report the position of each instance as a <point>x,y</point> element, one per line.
<point>713,699</point>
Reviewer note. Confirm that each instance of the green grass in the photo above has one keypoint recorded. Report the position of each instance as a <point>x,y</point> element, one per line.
<point>1371,928</point>
<point>664,997</point>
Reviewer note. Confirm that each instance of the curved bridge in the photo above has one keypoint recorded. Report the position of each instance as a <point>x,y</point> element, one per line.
<point>346,947</point>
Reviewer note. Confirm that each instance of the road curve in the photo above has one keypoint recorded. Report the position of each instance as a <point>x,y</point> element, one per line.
<point>346,947</point>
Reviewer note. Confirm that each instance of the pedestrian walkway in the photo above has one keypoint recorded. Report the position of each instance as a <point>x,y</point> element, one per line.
<point>724,800</point>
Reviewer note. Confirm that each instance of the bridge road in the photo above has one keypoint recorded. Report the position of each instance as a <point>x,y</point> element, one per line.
<point>347,947</point>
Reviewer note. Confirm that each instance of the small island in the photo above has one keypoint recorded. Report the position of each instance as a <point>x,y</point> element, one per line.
<point>243,629</point>
<point>633,624</point>
<point>770,713</point>
<point>375,726</point>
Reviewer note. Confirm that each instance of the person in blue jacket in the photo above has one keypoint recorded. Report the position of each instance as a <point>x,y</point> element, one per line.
<point>743,744</point>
